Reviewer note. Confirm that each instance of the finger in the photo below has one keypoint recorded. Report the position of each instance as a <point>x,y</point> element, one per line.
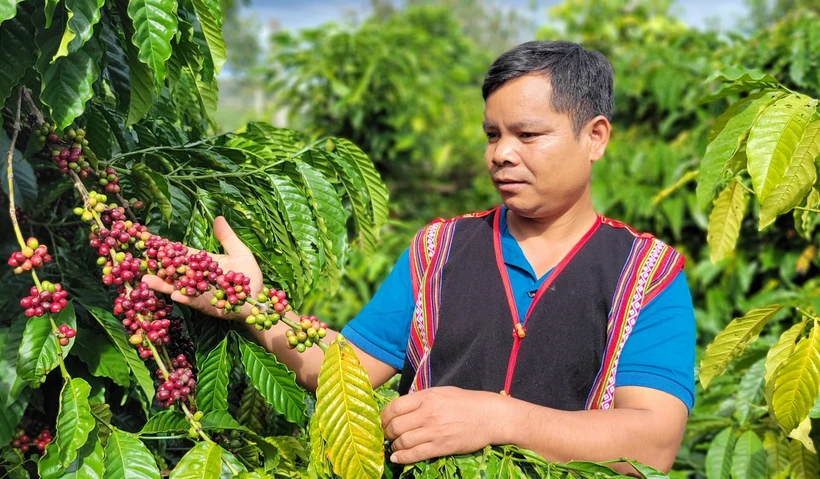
<point>180,298</point>
<point>400,406</point>
<point>418,453</point>
<point>228,239</point>
<point>402,424</point>
<point>411,439</point>
<point>158,284</point>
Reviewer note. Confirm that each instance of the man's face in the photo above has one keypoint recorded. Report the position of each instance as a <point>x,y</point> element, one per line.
<point>537,165</point>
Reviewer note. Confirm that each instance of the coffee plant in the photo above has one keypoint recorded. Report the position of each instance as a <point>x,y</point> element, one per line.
<point>101,376</point>
<point>765,145</point>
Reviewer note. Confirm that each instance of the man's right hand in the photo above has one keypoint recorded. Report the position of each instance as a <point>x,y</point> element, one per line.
<point>238,259</point>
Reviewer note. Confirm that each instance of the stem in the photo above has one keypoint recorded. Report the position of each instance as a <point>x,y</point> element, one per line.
<point>180,436</point>
<point>54,331</point>
<point>233,174</point>
<point>160,362</point>
<point>10,170</point>
<point>812,210</point>
<point>806,313</point>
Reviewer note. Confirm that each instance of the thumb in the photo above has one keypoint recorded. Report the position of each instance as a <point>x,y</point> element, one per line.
<point>228,239</point>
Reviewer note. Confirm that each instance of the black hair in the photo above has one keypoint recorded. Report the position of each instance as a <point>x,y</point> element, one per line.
<point>581,80</point>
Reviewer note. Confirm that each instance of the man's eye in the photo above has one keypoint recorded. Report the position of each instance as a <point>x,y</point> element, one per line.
<point>490,135</point>
<point>526,135</point>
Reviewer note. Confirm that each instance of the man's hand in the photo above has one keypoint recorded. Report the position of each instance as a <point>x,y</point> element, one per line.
<point>440,421</point>
<point>238,258</point>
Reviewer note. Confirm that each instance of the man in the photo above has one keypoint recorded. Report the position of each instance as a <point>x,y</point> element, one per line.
<point>538,323</point>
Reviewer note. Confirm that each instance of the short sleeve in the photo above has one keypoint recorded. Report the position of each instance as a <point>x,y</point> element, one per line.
<point>660,352</point>
<point>382,327</point>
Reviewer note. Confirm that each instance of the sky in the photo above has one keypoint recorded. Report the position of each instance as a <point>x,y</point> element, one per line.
<point>297,14</point>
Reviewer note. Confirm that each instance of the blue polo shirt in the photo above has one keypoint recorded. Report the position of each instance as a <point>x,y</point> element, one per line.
<point>660,352</point>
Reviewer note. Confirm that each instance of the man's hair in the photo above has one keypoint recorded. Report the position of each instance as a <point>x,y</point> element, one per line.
<point>581,80</point>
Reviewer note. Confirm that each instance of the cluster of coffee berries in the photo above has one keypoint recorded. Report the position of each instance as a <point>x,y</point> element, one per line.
<point>232,292</point>
<point>96,202</point>
<point>179,385</point>
<point>262,320</point>
<point>51,298</point>
<point>68,151</point>
<point>64,334</point>
<point>180,343</point>
<point>109,180</point>
<point>194,278</point>
<point>310,331</point>
<point>22,442</point>
<point>33,256</point>
<point>229,439</point>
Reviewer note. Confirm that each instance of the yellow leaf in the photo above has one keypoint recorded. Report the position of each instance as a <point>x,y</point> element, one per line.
<point>801,433</point>
<point>798,179</point>
<point>724,221</point>
<point>773,140</point>
<point>730,342</point>
<point>349,418</point>
<point>798,381</point>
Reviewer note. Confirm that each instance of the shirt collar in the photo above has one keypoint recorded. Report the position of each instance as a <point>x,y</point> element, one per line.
<point>510,249</point>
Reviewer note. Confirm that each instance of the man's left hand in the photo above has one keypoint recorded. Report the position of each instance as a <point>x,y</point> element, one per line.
<point>440,421</point>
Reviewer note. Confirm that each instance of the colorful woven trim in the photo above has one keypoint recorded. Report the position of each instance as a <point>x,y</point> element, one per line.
<point>428,255</point>
<point>651,266</point>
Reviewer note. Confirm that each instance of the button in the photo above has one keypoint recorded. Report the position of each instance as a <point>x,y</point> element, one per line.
<point>531,294</point>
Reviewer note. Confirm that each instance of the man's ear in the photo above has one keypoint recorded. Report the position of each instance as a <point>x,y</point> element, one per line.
<point>597,132</point>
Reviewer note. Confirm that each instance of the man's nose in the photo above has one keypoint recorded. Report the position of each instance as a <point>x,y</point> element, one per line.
<point>505,151</point>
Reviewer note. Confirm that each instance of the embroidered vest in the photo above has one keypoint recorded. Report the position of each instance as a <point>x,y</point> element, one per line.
<point>462,330</point>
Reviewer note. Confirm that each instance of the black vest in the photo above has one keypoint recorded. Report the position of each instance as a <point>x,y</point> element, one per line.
<point>566,336</point>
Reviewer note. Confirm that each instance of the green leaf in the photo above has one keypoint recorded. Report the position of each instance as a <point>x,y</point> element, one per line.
<point>116,69</point>
<point>773,140</point>
<point>120,341</point>
<point>739,80</point>
<point>798,382</point>
<point>319,463</point>
<point>804,463</point>
<point>210,17</point>
<point>8,9</point>
<point>349,416</point>
<point>11,416</point>
<point>797,181</point>
<point>19,49</point>
<point>648,472</point>
<point>298,220</point>
<point>203,461</point>
<point>750,391</point>
<point>273,380</point>
<point>11,385</point>
<point>82,16</point>
<point>127,456</point>
<point>330,219</point>
<point>140,77</point>
<point>725,220</point>
<point>87,465</point>
<point>733,340</point>
<point>155,23</point>
<point>719,456</point>
<point>37,355</point>
<point>74,421</point>
<point>25,183</point>
<point>777,455</point>
<point>212,382</point>
<point>102,358</point>
<point>221,420</point>
<point>51,6</point>
<point>156,187</point>
<point>372,183</point>
<point>253,411</point>
<point>231,464</point>
<point>67,83</point>
<point>726,137</point>
<point>13,460</point>
<point>749,457</point>
<point>165,421</point>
